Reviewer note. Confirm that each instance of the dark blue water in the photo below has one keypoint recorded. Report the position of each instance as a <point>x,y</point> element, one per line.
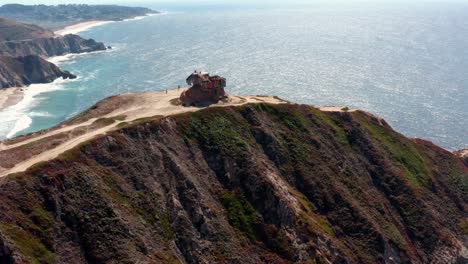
<point>408,64</point>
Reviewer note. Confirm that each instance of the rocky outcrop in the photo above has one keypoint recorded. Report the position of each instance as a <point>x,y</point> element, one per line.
<point>22,71</point>
<point>49,47</point>
<point>250,184</point>
<point>21,47</point>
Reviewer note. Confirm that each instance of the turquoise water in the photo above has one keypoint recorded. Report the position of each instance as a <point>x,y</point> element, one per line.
<point>407,64</point>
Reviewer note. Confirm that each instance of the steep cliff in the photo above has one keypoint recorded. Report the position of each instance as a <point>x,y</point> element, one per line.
<point>21,71</point>
<point>22,44</point>
<point>49,47</point>
<point>257,183</point>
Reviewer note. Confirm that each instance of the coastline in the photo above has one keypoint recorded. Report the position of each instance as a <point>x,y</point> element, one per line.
<point>76,28</point>
<point>15,101</point>
<point>79,27</point>
<point>10,97</point>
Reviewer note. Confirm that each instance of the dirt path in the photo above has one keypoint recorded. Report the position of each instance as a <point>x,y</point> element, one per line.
<point>128,107</point>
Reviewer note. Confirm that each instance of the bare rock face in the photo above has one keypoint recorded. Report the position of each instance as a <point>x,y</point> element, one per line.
<point>49,47</point>
<point>23,45</point>
<point>249,184</point>
<point>21,71</point>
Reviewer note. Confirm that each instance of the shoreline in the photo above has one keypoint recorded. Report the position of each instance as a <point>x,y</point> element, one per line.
<point>77,28</point>
<point>10,97</point>
<point>14,95</point>
<point>82,26</point>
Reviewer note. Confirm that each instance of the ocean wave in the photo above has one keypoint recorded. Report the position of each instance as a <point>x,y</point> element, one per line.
<point>17,118</point>
<point>145,16</point>
<point>40,114</point>
<point>58,60</point>
<point>21,124</point>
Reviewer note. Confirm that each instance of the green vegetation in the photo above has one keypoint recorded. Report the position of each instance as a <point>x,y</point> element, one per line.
<point>167,257</point>
<point>392,232</point>
<point>166,225</point>
<point>293,120</point>
<point>403,152</point>
<point>281,100</point>
<point>123,125</point>
<point>146,119</point>
<point>119,117</point>
<point>334,123</point>
<point>218,133</point>
<point>107,121</point>
<point>28,244</point>
<point>241,214</point>
<point>102,122</point>
<point>150,215</point>
<point>71,154</point>
<point>463,225</point>
<point>315,223</point>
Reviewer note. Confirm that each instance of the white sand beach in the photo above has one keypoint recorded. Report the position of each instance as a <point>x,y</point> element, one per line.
<point>76,28</point>
<point>9,97</point>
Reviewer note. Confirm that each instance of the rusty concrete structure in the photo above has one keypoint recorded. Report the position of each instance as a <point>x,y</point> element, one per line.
<point>204,89</point>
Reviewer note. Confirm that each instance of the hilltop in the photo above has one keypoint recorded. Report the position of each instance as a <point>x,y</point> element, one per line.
<point>252,179</point>
<point>12,30</point>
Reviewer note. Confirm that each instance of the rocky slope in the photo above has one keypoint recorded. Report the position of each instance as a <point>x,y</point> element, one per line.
<point>257,183</point>
<point>19,41</point>
<point>22,71</point>
<point>49,47</point>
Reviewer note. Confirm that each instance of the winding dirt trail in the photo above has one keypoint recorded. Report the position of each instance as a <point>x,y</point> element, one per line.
<point>125,107</point>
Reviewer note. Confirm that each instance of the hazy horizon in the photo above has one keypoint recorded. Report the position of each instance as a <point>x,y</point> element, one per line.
<point>255,2</point>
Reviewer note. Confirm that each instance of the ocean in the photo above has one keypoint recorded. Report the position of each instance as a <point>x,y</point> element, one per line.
<point>407,63</point>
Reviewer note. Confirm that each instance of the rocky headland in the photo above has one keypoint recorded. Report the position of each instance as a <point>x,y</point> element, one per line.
<point>26,70</point>
<point>138,178</point>
<point>49,47</point>
<point>24,47</point>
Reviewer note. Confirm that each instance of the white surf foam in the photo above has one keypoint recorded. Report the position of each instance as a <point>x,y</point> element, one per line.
<point>21,124</point>
<point>145,16</point>
<point>17,118</point>
<point>57,60</point>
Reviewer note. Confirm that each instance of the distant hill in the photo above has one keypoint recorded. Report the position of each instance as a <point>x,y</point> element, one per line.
<point>11,30</point>
<point>61,15</point>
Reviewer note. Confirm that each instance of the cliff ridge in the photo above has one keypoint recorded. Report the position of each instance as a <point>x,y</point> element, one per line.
<point>249,180</point>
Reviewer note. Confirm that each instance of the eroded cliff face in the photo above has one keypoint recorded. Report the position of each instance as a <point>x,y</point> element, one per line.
<point>49,47</point>
<point>21,71</point>
<point>249,184</point>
